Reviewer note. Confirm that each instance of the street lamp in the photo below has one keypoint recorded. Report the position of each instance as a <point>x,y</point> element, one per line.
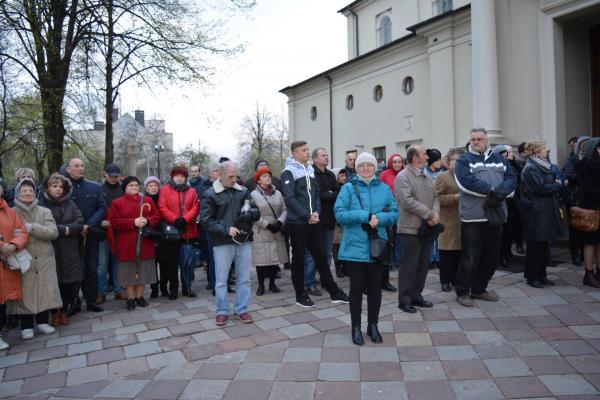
<point>158,148</point>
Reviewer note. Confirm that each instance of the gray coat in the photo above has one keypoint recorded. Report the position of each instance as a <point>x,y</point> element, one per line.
<point>416,197</point>
<point>268,248</point>
<point>39,284</point>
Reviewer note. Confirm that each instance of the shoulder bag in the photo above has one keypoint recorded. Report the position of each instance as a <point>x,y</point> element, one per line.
<point>169,233</point>
<point>584,220</point>
<point>381,249</point>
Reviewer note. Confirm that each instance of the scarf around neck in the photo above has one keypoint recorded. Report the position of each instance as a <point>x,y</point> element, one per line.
<point>179,187</point>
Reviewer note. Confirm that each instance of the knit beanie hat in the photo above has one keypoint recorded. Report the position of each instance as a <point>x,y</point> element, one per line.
<point>260,172</point>
<point>366,158</point>
<point>128,180</point>
<point>179,170</point>
<point>433,155</point>
<point>150,179</point>
<point>259,161</point>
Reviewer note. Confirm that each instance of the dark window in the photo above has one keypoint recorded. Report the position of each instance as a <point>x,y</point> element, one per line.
<point>349,102</point>
<point>313,113</point>
<point>377,93</point>
<point>408,85</point>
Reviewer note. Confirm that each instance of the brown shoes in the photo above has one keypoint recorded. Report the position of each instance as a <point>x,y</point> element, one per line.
<point>59,318</point>
<point>55,319</point>
<point>64,318</point>
<point>222,320</point>
<point>100,298</point>
<point>591,279</point>
<point>244,318</point>
<point>121,296</point>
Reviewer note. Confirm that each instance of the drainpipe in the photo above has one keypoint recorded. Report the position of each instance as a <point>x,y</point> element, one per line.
<point>356,30</point>
<point>330,118</point>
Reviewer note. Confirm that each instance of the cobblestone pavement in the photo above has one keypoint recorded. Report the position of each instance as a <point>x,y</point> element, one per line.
<point>541,343</point>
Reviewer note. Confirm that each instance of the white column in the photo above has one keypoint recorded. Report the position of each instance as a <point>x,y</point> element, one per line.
<point>486,101</point>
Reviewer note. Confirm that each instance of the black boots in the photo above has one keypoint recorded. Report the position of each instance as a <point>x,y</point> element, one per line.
<point>373,332</point>
<point>262,272</point>
<point>357,337</point>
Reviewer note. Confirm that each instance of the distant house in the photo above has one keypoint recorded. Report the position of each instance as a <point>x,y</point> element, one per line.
<point>427,71</point>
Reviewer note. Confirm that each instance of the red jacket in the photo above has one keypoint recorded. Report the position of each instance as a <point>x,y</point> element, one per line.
<point>121,214</point>
<point>389,175</point>
<point>10,281</point>
<point>169,204</point>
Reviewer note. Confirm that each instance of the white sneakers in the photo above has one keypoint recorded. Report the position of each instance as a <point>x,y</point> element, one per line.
<point>46,329</point>
<point>3,344</point>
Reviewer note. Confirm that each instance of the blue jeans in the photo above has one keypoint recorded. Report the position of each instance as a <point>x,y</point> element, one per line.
<point>224,255</point>
<point>309,263</point>
<point>435,252</point>
<point>106,260</point>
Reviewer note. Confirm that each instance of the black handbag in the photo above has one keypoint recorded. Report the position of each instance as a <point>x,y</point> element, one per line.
<point>428,233</point>
<point>168,232</point>
<point>381,249</point>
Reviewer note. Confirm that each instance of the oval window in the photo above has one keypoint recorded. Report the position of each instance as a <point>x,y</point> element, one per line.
<point>377,93</point>
<point>408,85</point>
<point>313,113</point>
<point>349,102</point>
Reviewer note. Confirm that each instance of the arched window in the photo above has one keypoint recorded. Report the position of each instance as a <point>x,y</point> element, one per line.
<point>313,113</point>
<point>384,28</point>
<point>349,102</point>
<point>377,93</point>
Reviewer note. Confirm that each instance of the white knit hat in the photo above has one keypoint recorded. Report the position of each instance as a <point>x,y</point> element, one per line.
<point>366,158</point>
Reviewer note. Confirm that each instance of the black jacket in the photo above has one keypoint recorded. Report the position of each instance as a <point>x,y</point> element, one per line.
<point>220,209</point>
<point>111,192</point>
<point>300,200</point>
<point>328,192</point>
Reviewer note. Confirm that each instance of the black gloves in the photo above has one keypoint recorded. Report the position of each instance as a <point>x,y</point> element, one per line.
<point>180,223</point>
<point>276,227</point>
<point>494,200</point>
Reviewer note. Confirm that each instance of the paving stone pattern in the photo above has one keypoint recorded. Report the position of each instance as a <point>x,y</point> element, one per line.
<point>533,343</point>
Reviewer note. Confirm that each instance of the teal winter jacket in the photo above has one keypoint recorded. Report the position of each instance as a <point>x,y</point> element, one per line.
<point>375,197</point>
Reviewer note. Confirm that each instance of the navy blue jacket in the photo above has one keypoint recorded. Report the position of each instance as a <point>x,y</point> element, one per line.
<point>90,201</point>
<point>300,192</point>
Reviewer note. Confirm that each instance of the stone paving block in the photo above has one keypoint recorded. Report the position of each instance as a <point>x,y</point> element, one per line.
<point>120,340</point>
<point>461,313</point>
<point>520,335</point>
<point>448,338</point>
<point>438,390</point>
<point>266,354</point>
<point>476,390</point>
<point>25,347</point>
<point>83,391</point>
<point>210,336</point>
<point>522,387</point>
<point>464,352</point>
<point>165,359</point>
<point>186,371</point>
<point>329,324</point>
<point>137,328</point>
<point>67,363</point>
<point>476,324</point>
<point>308,341</point>
<point>585,364</point>
<point>296,331</point>
<point>101,325</point>
<point>105,356</point>
<point>240,330</point>
<point>12,359</point>
<point>465,370</point>
<point>127,367</point>
<point>565,385</point>
<point>299,372</point>
<point>482,337</point>
<point>63,340</point>
<point>257,371</point>
<point>122,389</point>
<point>557,333</point>
<point>443,326</point>
<point>237,344</point>
<point>160,390</point>
<point>218,371</point>
<point>594,379</point>
<point>142,349</point>
<point>378,354</point>
<point>27,370</point>
<point>153,335</point>
<point>233,357</point>
<point>337,340</point>
<point>85,347</point>
<point>495,350</point>
<point>337,354</point>
<point>338,391</point>
<point>272,323</point>
<point>437,315</point>
<point>423,371</point>
<point>166,315</point>
<point>543,321</point>
<point>186,329</point>
<point>572,347</point>
<point>327,313</point>
<point>8,389</point>
<point>302,354</point>
<point>248,390</point>
<point>534,349</point>
<point>507,367</point>
<point>44,382</point>
<point>412,339</point>
<point>339,372</point>
<point>205,390</point>
<point>502,323</point>
<point>88,374</point>
<point>46,354</point>
<point>552,365</point>
<point>418,353</point>
<point>292,391</point>
<point>380,371</point>
<point>383,390</point>
<point>587,331</point>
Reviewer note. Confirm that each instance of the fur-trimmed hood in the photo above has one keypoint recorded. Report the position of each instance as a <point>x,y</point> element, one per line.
<point>67,191</point>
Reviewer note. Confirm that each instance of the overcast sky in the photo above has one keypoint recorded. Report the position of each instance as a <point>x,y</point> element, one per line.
<point>287,42</point>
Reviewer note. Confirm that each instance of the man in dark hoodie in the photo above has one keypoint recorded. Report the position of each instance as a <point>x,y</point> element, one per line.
<point>302,199</point>
<point>107,262</point>
<point>262,163</point>
<point>90,201</point>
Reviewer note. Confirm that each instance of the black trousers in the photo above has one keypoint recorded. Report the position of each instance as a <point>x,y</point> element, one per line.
<point>266,271</point>
<point>449,260</point>
<point>2,316</point>
<point>169,263</point>
<point>414,265</point>
<point>308,236</point>
<point>364,275</point>
<point>535,261</point>
<point>335,249</point>
<point>40,318</point>
<point>90,277</point>
<point>68,292</point>
<point>480,242</point>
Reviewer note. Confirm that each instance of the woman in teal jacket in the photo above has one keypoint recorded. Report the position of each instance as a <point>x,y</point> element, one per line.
<point>373,211</point>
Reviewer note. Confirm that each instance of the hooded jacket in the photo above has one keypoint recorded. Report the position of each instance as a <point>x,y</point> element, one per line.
<point>389,175</point>
<point>12,231</point>
<point>67,250</point>
<point>300,191</point>
<point>477,175</point>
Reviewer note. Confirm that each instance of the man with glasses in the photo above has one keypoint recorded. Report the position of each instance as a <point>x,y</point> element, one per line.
<point>484,179</point>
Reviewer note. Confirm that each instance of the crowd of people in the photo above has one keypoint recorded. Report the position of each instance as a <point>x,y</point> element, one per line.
<point>461,213</point>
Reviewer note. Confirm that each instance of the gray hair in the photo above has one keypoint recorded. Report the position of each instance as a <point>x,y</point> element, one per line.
<point>213,167</point>
<point>315,152</point>
<point>455,151</point>
<point>478,129</point>
<point>21,172</point>
<point>226,166</point>
<point>412,152</point>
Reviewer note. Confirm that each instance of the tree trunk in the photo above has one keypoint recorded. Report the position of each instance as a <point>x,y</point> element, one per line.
<point>54,128</point>
<point>109,139</point>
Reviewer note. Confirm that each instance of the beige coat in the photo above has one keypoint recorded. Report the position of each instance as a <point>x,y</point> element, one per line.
<point>416,197</point>
<point>447,190</point>
<point>39,283</point>
<point>268,248</point>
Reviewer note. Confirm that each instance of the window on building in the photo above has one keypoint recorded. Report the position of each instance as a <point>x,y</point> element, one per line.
<point>384,28</point>
<point>441,6</point>
<point>408,85</point>
<point>313,113</point>
<point>349,102</point>
<point>379,153</point>
<point>377,93</point>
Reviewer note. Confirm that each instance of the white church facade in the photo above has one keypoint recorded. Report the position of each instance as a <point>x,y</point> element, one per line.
<point>427,71</point>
